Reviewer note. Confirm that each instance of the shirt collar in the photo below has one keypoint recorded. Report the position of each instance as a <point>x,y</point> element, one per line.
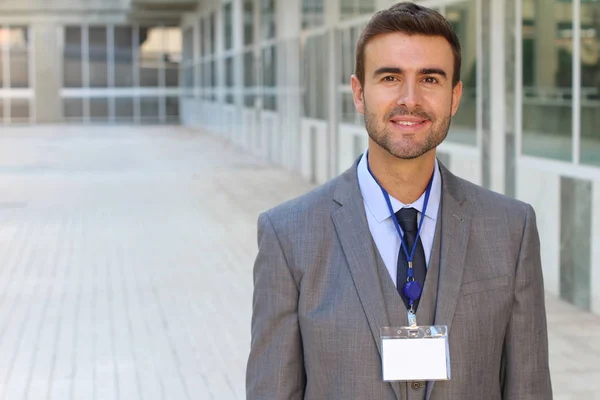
<point>376,204</point>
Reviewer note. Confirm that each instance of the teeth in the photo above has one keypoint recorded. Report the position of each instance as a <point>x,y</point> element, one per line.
<point>407,123</point>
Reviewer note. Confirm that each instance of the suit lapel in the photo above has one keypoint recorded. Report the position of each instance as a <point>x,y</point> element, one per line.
<point>455,220</point>
<point>353,232</point>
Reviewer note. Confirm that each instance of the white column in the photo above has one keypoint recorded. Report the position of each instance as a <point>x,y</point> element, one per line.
<point>497,143</point>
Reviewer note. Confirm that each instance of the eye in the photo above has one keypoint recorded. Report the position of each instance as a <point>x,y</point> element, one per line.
<point>430,79</point>
<point>389,78</point>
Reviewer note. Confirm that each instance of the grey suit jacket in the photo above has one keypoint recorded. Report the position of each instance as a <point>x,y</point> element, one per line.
<point>322,293</point>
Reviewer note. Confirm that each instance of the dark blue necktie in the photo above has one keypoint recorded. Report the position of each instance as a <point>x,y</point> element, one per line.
<point>407,218</point>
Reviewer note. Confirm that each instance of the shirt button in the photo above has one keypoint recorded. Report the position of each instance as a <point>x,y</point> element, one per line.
<point>416,385</point>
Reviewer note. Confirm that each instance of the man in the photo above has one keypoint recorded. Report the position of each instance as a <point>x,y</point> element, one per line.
<point>331,270</point>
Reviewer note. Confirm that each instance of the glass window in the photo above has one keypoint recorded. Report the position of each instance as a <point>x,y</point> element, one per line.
<point>202,38</point>
<point>590,83</point>
<point>349,38</point>
<point>73,108</point>
<point>229,80</point>
<point>172,55</point>
<point>150,49</point>
<point>19,57</point>
<point>149,108</point>
<point>72,58</point>
<point>19,110</point>
<point>463,18</point>
<point>267,23</point>
<point>315,77</point>
<point>313,13</point>
<point>354,8</point>
<point>188,45</point>
<point>269,77</point>
<point>123,56</point>
<point>213,79</point>
<point>98,56</point>
<point>124,109</point>
<point>228,25</point>
<point>172,108</point>
<point>248,22</point>
<point>547,78</point>
<point>249,78</point>
<point>211,33</point>
<point>98,109</point>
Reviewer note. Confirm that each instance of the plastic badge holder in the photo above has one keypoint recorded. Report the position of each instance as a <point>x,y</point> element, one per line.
<point>418,353</point>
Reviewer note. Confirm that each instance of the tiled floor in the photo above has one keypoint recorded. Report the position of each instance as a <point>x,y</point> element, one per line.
<point>126,267</point>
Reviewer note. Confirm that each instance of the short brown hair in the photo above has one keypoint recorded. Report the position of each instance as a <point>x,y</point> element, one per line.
<point>410,19</point>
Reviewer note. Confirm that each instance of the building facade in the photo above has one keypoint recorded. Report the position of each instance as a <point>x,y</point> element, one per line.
<point>103,61</point>
<point>272,76</point>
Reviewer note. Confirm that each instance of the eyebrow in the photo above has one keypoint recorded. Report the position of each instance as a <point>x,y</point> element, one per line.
<point>422,71</point>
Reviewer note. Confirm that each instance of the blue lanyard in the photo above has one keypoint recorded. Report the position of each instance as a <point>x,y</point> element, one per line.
<point>409,257</point>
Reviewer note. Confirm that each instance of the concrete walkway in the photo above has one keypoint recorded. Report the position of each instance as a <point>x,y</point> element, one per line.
<point>126,267</point>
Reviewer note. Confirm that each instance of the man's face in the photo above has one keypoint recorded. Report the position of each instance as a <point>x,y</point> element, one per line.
<point>407,97</point>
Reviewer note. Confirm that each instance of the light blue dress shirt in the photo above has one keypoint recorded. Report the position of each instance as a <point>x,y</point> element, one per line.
<point>381,223</point>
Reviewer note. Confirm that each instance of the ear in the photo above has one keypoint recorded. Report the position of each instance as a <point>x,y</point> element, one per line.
<point>357,94</point>
<point>456,95</point>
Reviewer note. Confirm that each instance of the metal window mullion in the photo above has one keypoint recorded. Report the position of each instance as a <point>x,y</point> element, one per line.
<point>85,65</point>
<point>519,78</point>
<point>576,100</point>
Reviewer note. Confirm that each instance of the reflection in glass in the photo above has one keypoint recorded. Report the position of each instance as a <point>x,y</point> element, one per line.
<point>248,22</point>
<point>547,78</point>
<point>149,108</point>
<point>228,25</point>
<point>172,108</point>
<point>590,83</point>
<point>150,49</point>
<point>19,57</point>
<point>268,25</point>
<point>98,109</point>
<point>19,110</point>
<point>313,13</point>
<point>72,58</point>
<point>315,69</point>
<point>73,108</point>
<point>229,80</point>
<point>212,38</point>
<point>354,8</point>
<point>202,40</point>
<point>172,55</point>
<point>123,56</point>
<point>463,18</point>
<point>98,56</point>
<point>213,80</point>
<point>124,109</point>
<point>269,56</point>
<point>249,78</point>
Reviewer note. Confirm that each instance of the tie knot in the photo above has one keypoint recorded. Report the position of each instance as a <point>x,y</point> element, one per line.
<point>407,218</point>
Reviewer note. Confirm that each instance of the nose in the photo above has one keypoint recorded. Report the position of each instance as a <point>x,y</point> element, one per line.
<point>408,96</point>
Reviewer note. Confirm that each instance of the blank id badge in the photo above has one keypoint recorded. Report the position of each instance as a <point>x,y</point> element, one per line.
<point>415,353</point>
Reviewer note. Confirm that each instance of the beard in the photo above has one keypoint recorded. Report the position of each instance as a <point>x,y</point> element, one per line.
<point>407,150</point>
